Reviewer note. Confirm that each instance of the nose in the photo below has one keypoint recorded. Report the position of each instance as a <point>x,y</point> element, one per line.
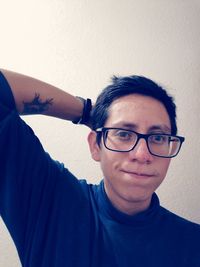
<point>141,152</point>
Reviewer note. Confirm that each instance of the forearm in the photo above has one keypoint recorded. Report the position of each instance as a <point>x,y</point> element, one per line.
<point>33,96</point>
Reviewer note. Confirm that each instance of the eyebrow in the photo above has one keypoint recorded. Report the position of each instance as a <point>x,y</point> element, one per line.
<point>131,126</point>
<point>162,127</point>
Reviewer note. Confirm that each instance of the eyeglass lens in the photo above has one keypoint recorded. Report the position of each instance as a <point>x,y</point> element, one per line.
<point>158,144</point>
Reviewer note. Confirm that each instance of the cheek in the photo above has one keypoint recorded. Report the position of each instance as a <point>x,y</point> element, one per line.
<point>163,166</point>
<point>110,162</point>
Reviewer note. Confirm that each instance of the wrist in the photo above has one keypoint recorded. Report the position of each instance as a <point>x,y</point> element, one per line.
<point>87,107</point>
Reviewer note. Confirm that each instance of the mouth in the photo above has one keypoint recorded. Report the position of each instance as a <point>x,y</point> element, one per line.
<point>141,175</point>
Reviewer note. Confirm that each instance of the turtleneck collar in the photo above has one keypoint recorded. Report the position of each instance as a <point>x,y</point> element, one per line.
<point>143,218</point>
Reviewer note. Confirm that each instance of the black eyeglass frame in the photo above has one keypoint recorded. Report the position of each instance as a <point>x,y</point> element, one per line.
<point>139,136</point>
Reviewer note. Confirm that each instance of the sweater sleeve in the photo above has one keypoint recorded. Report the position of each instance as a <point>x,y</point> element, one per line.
<point>6,96</point>
<point>30,181</point>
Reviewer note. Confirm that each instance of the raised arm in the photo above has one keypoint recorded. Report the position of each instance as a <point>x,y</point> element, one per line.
<point>33,96</point>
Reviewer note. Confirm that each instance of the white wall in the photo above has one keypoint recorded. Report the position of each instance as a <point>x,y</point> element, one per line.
<point>78,45</point>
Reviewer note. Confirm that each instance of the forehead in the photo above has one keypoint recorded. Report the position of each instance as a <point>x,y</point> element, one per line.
<point>138,110</point>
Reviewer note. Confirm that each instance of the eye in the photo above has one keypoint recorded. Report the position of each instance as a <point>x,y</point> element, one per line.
<point>158,139</point>
<point>123,135</point>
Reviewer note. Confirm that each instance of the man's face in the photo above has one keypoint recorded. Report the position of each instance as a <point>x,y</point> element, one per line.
<point>130,178</point>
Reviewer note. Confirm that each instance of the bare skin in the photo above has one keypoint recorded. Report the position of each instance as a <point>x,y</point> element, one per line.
<point>33,96</point>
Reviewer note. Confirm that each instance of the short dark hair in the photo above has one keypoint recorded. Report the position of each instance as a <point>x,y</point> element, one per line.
<point>122,86</point>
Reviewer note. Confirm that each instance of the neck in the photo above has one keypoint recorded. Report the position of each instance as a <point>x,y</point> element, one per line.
<point>130,206</point>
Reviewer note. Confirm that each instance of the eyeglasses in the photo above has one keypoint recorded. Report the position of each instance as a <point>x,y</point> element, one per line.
<point>122,140</point>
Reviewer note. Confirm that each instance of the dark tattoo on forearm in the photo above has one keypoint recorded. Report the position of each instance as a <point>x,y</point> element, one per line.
<point>37,106</point>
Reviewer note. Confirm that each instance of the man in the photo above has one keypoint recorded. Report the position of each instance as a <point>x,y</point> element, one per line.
<point>57,220</point>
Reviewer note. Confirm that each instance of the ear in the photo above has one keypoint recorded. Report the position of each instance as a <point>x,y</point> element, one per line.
<point>94,147</point>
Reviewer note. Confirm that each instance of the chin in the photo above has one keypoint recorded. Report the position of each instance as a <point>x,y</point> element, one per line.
<point>136,194</point>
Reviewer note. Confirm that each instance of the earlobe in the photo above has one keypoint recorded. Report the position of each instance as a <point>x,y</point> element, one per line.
<point>94,147</point>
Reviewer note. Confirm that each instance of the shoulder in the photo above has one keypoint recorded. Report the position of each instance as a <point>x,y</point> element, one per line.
<point>180,224</point>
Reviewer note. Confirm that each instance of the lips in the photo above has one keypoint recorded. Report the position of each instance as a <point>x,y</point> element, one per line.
<point>138,174</point>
